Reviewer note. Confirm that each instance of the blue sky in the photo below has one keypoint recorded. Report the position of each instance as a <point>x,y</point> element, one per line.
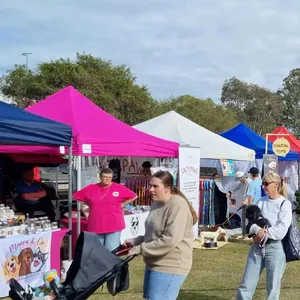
<point>173,47</point>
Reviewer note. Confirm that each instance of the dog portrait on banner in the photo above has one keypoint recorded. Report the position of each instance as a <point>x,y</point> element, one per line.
<point>24,258</point>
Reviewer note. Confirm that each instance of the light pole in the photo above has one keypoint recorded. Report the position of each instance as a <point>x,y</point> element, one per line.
<point>26,54</point>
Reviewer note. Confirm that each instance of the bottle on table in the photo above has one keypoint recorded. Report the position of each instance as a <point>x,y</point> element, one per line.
<point>27,220</point>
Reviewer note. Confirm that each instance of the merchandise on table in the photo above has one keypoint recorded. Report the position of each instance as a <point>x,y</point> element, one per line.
<point>6,213</point>
<point>131,210</point>
<point>12,227</point>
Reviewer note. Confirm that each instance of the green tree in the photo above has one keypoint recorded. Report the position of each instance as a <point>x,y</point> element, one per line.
<point>258,107</point>
<point>290,93</point>
<point>111,87</point>
<point>206,113</point>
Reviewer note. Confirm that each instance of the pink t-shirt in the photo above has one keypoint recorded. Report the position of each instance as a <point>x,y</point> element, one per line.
<point>106,214</point>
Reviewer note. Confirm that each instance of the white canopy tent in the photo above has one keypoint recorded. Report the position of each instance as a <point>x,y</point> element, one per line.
<point>174,127</point>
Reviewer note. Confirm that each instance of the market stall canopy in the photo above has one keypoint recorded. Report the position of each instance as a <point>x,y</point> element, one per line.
<point>95,132</point>
<point>294,142</point>
<point>243,135</point>
<point>177,128</point>
<point>19,127</point>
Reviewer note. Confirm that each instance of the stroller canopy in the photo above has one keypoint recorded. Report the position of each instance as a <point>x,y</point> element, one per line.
<point>91,261</point>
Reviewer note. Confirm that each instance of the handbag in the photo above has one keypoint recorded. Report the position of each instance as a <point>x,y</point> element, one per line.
<point>291,241</point>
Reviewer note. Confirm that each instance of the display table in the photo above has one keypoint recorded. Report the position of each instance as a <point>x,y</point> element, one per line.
<point>42,250</point>
<point>135,226</point>
<point>57,237</point>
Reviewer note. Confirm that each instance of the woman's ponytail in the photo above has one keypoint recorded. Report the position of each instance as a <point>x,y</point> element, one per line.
<point>176,191</point>
<point>283,190</point>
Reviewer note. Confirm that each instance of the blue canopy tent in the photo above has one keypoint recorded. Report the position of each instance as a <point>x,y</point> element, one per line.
<point>19,127</point>
<point>244,136</point>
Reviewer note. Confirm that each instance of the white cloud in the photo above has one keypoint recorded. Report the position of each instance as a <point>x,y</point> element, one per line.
<point>173,47</point>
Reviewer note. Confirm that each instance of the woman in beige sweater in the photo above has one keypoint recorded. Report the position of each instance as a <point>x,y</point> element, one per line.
<point>167,246</point>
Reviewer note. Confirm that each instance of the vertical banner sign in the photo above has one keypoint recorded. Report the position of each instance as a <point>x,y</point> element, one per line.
<point>189,175</point>
<point>270,163</point>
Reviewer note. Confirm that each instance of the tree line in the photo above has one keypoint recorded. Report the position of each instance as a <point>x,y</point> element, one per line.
<point>114,89</point>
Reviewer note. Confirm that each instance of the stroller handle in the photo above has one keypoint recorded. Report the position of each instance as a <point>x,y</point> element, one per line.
<point>129,258</point>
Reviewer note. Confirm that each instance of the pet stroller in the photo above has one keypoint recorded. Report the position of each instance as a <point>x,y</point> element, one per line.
<point>92,267</point>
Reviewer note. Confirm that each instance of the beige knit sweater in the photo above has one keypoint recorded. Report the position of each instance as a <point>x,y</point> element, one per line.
<point>167,245</point>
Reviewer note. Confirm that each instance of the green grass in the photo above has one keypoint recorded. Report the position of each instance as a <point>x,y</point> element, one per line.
<point>215,275</point>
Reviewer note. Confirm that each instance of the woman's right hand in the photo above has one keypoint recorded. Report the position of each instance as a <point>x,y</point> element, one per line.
<point>129,243</point>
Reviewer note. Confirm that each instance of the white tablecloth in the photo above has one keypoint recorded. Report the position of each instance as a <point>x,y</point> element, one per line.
<point>135,226</point>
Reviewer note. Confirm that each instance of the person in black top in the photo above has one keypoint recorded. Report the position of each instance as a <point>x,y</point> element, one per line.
<point>146,168</point>
<point>115,166</point>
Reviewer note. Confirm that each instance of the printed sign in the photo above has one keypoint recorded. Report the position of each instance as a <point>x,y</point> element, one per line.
<point>135,220</point>
<point>227,167</point>
<point>24,258</point>
<point>135,226</point>
<point>270,163</point>
<point>189,175</point>
<point>86,148</point>
<point>281,147</point>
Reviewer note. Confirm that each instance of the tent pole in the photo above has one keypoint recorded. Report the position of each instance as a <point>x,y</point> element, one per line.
<point>78,188</point>
<point>70,198</point>
<point>266,150</point>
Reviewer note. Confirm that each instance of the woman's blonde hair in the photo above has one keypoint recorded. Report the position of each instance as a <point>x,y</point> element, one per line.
<point>168,181</point>
<point>281,185</point>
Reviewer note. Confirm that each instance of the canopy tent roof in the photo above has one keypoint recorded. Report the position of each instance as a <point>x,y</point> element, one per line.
<point>283,132</point>
<point>244,136</point>
<point>95,132</point>
<point>177,128</point>
<point>19,127</point>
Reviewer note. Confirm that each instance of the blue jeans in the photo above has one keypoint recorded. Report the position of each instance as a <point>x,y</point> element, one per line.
<point>111,241</point>
<point>274,261</point>
<point>162,286</point>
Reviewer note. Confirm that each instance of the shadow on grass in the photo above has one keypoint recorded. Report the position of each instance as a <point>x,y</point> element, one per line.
<point>192,295</point>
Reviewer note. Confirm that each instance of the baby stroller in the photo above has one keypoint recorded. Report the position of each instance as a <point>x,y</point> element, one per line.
<point>92,267</point>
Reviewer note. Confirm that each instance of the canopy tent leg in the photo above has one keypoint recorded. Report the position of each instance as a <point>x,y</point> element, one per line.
<point>70,200</point>
<point>78,188</point>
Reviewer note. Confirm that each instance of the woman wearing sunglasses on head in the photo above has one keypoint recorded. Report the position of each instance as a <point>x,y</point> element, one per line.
<point>271,256</point>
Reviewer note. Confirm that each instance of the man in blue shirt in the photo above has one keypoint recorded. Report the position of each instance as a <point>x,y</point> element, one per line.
<point>32,197</point>
<point>254,189</point>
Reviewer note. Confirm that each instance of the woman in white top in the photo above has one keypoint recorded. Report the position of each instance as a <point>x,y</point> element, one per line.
<point>272,256</point>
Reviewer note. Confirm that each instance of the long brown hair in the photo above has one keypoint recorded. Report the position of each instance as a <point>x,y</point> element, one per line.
<point>168,181</point>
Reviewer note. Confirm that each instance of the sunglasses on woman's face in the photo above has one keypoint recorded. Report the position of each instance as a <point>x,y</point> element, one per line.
<point>267,183</point>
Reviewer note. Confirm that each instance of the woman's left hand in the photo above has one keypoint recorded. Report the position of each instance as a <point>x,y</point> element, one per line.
<point>132,251</point>
<point>259,235</point>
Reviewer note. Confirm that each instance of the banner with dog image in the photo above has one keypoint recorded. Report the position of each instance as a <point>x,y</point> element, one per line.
<point>24,258</point>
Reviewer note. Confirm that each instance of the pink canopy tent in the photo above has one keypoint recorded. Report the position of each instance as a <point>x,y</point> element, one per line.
<point>95,132</point>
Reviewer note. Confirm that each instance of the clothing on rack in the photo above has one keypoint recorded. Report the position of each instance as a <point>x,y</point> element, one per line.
<point>206,205</point>
<point>220,203</point>
<point>213,202</point>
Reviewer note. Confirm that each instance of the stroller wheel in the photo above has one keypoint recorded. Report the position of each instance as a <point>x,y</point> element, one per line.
<point>112,286</point>
<point>17,292</point>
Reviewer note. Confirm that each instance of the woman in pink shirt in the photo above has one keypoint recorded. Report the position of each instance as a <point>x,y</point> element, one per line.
<point>106,201</point>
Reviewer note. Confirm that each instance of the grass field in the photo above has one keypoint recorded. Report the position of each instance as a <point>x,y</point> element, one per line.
<point>215,275</point>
